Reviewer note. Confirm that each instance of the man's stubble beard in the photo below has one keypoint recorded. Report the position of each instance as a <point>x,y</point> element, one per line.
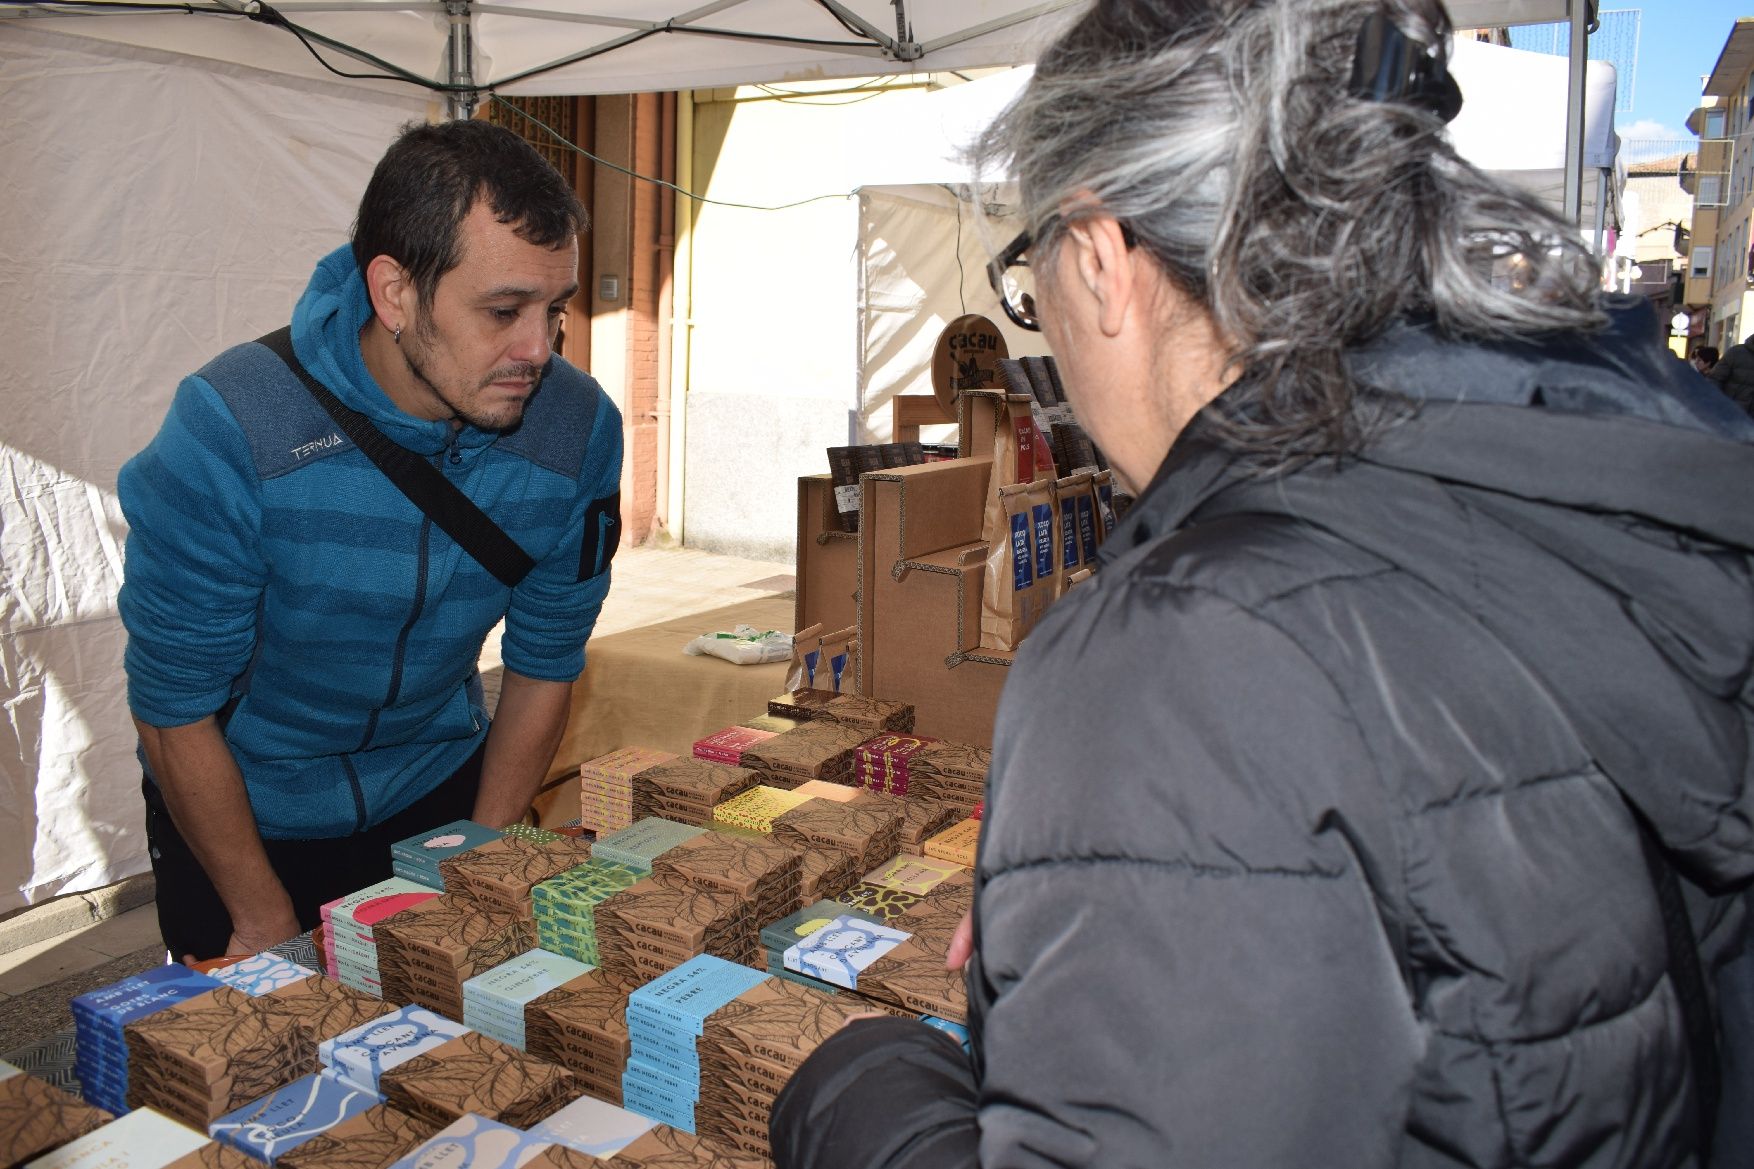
<point>424,336</point>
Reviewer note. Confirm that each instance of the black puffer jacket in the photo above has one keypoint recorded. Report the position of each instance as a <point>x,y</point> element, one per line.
<point>1308,842</point>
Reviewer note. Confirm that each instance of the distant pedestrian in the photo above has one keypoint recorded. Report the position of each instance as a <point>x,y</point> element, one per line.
<point>1704,358</point>
<point>1734,374</point>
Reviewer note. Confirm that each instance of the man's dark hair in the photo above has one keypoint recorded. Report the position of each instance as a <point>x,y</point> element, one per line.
<point>431,176</point>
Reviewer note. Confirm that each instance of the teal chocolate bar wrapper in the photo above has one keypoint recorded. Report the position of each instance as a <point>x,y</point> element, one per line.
<point>694,990</point>
<point>431,847</point>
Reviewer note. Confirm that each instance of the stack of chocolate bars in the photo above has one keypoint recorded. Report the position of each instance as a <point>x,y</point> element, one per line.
<point>838,951</point>
<point>418,858</point>
<point>803,704</point>
<point>958,843</point>
<point>649,929</point>
<point>881,762</point>
<point>565,908</point>
<point>953,772</point>
<point>360,1057</point>
<point>750,1047</point>
<point>816,750</point>
<point>923,818</point>
<point>427,952</point>
<point>913,976</point>
<point>687,790</point>
<point>788,931</point>
<point>606,787</point>
<point>754,810</point>
<point>258,975</point>
<point>201,1058</point>
<point>582,1026</point>
<point>868,828</point>
<point>478,1074</point>
<point>760,872</point>
<point>874,716</point>
<point>826,875</point>
<point>728,745</point>
<point>665,1019</point>
<point>268,1128</point>
<point>101,1050</point>
<point>314,1009</point>
<point>494,1000</point>
<point>638,844</point>
<point>350,943</point>
<point>499,875</point>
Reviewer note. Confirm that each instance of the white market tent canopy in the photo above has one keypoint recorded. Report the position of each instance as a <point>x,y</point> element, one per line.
<point>170,172</point>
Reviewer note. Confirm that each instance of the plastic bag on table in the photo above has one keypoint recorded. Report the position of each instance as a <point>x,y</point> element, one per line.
<point>745,646</point>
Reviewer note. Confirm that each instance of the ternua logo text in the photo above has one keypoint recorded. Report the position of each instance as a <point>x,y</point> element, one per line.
<point>321,444</point>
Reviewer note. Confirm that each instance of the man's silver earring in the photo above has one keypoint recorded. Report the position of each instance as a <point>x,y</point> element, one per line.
<point>396,334</point>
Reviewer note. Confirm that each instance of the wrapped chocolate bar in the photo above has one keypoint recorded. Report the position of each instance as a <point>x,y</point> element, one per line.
<point>606,786</point>
<point>426,953</point>
<point>368,1140</point>
<point>418,857</point>
<point>755,809</point>
<point>878,902</point>
<point>957,843</point>
<point>762,872</point>
<point>923,818</point>
<point>818,750</point>
<point>953,772</point>
<point>36,1117</point>
<point>913,874</point>
<point>361,1057</point>
<point>258,975</point>
<point>687,790</point>
<point>777,724</point>
<point>868,828</point>
<point>838,951</point>
<point>638,844</point>
<point>582,1026</point>
<point>201,1058</point>
<point>874,716</point>
<point>478,1074</point>
<point>350,942</point>
<point>913,976</point>
<point>315,1009</point>
<point>647,930</point>
<point>827,874</point>
<point>566,907</point>
<point>880,763</point>
<point>727,746</point>
<point>494,1000</point>
<point>268,1128</point>
<point>594,1127</point>
<point>822,789</point>
<point>665,1018</point>
<point>475,1142</point>
<point>99,1016</point>
<point>499,875</point>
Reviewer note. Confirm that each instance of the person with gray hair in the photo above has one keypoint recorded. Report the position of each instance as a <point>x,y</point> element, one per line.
<point>1386,797</point>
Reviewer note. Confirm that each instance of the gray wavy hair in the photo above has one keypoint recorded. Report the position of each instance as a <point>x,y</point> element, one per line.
<point>1305,219</point>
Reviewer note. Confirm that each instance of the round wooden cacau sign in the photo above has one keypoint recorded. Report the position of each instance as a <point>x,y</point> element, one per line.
<point>966,357</point>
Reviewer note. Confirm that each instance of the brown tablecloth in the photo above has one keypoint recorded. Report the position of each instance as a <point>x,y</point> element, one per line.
<point>640,690</point>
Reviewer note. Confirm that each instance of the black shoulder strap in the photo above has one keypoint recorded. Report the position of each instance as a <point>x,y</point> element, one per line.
<point>1689,980</point>
<point>424,484</point>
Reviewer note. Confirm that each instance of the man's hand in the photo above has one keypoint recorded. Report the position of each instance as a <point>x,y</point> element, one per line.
<point>249,940</point>
<point>526,732</point>
<point>961,943</point>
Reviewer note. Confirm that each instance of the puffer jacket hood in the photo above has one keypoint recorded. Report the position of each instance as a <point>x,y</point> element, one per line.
<point>325,334</point>
<point>1619,477</point>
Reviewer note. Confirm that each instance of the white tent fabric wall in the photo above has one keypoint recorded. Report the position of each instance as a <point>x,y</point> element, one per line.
<point>922,264</point>
<point>159,208</point>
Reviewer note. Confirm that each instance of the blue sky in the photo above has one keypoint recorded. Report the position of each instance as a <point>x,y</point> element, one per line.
<point>1678,43</point>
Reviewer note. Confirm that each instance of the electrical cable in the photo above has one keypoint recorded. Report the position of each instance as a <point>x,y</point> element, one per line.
<point>665,183</point>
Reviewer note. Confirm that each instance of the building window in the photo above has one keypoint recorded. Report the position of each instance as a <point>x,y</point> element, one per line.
<point>1714,124</point>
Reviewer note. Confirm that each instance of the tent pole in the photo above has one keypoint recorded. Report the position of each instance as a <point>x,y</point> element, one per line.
<point>1601,209</point>
<point>1572,208</point>
<point>463,98</point>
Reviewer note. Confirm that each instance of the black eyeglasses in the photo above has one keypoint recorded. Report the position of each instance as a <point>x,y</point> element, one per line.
<point>1014,298</point>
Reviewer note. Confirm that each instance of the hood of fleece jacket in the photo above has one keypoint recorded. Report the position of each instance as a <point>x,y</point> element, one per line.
<point>1591,501</point>
<point>325,335</point>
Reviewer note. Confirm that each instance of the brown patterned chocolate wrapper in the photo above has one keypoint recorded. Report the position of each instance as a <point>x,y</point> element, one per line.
<point>582,1026</point>
<point>778,1021</point>
<point>648,929</point>
<point>802,704</point>
<point>669,1148</point>
<point>500,874</point>
<point>817,750</point>
<point>374,1139</point>
<point>319,1008</point>
<point>687,790</point>
<point>871,715</point>
<point>477,1073</point>
<point>427,952</point>
<point>214,1155</point>
<point>922,818</point>
<point>755,869</point>
<point>913,976</point>
<point>199,1059</point>
<point>36,1117</point>
<point>868,828</point>
<point>826,875</point>
<point>561,1157</point>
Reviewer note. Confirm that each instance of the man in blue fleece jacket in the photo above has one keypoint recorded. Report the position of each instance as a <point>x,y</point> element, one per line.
<point>302,639</point>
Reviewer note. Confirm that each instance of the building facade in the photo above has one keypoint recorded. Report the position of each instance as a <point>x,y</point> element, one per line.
<point>1719,290</point>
